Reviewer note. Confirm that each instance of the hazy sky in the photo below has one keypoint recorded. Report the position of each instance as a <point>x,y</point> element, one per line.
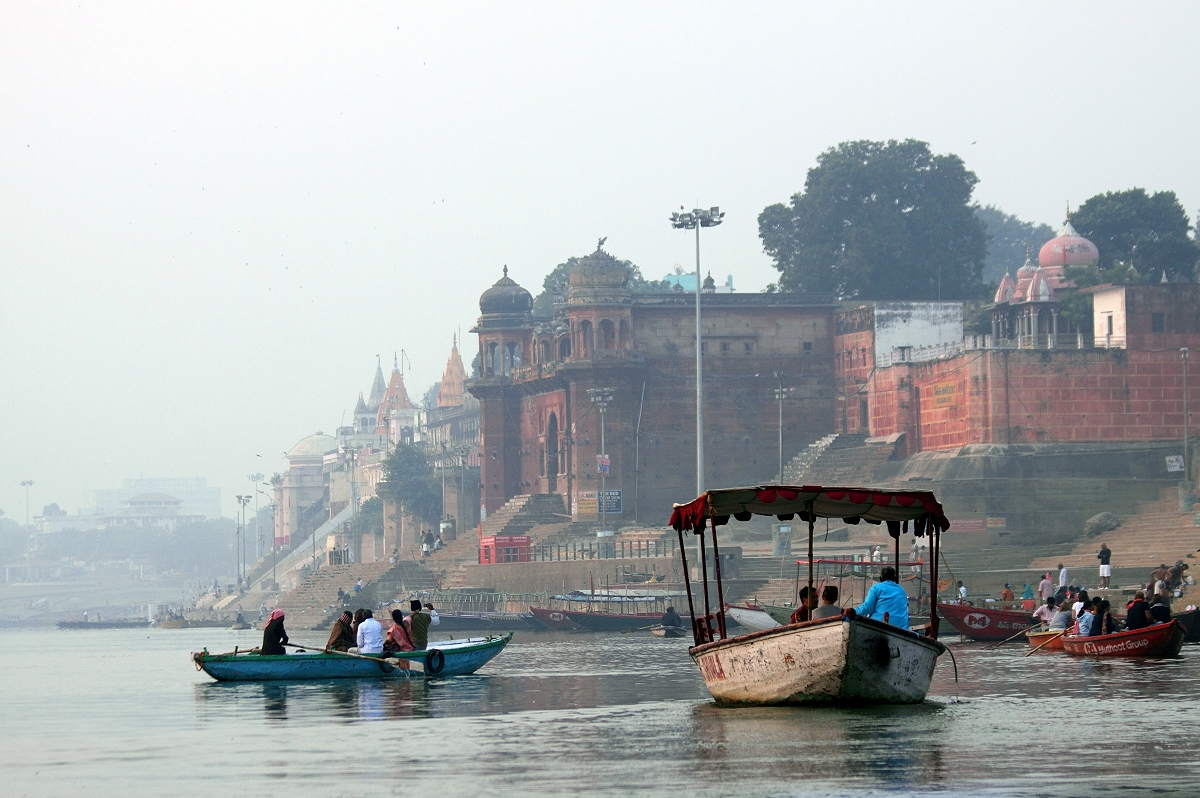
<point>213,217</point>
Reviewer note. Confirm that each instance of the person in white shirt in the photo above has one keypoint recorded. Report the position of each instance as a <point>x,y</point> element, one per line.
<point>962,591</point>
<point>434,619</point>
<point>370,635</point>
<point>1062,575</point>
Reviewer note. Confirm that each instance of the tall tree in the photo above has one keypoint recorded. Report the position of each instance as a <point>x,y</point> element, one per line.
<point>408,481</point>
<point>880,220</point>
<point>1008,240</point>
<point>1156,224</point>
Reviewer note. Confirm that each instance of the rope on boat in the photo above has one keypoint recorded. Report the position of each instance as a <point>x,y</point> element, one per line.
<point>955,663</point>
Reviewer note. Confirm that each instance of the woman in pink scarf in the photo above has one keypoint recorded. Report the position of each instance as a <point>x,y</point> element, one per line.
<point>398,638</point>
<point>274,636</point>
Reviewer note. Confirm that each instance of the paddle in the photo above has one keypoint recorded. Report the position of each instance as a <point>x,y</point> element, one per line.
<point>376,660</point>
<point>1007,640</point>
<point>1047,641</point>
<point>642,628</point>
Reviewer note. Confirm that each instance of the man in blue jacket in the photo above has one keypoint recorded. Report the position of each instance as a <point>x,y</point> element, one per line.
<point>886,600</point>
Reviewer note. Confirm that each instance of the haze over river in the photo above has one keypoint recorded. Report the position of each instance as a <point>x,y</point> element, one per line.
<point>123,712</point>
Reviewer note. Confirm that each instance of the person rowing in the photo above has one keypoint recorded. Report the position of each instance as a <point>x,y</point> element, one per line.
<point>671,618</point>
<point>274,635</point>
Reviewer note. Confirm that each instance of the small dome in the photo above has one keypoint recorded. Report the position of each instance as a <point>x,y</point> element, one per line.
<point>1005,292</point>
<point>1039,288</point>
<point>315,445</point>
<point>598,270</point>
<point>1068,248</point>
<point>505,297</point>
<point>1026,271</point>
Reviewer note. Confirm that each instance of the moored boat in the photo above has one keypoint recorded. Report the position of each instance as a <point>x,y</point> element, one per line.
<point>556,620</point>
<point>754,619</point>
<point>612,621</point>
<point>1048,641</point>
<point>443,658</point>
<point>985,623</point>
<point>846,659</point>
<point>1190,621</point>
<point>1159,640</point>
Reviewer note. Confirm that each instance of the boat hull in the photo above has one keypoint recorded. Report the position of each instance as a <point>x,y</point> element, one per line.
<point>554,619</point>
<point>1190,621</point>
<point>1160,640</point>
<point>983,623</point>
<point>1038,638</point>
<point>460,658</point>
<point>668,631</point>
<point>611,621</point>
<point>829,661</point>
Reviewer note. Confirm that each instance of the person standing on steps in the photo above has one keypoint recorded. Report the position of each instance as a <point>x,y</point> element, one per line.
<point>1062,576</point>
<point>1104,557</point>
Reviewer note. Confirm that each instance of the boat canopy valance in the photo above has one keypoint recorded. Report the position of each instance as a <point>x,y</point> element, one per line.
<point>786,502</point>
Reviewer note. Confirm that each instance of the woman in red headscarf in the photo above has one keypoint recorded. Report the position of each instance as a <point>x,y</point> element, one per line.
<point>274,636</point>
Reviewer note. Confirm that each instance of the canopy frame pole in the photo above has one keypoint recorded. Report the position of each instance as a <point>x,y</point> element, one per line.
<point>903,529</point>
<point>687,584</point>
<point>720,591</point>
<point>934,550</point>
<point>707,634</point>
<point>812,523</point>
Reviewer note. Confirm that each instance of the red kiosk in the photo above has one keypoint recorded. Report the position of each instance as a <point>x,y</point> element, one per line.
<point>505,548</point>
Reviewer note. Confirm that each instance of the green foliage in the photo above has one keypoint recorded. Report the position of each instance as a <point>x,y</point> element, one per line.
<point>977,320</point>
<point>369,519</point>
<point>408,480</point>
<point>52,510</point>
<point>543,303</point>
<point>430,397</point>
<point>1008,240</point>
<point>1075,309</point>
<point>1156,224</point>
<point>880,220</point>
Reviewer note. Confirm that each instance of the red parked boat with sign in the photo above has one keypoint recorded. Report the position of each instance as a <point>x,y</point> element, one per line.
<point>1159,640</point>
<point>984,623</point>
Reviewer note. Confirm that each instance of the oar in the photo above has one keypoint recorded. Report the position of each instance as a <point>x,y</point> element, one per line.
<point>376,660</point>
<point>1048,641</point>
<point>1007,640</point>
<point>642,628</point>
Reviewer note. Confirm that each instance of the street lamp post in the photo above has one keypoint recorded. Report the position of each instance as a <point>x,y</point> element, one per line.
<point>694,220</point>
<point>258,547</point>
<point>27,484</point>
<point>600,398</point>
<point>780,392</point>
<point>242,502</point>
<point>1187,466</point>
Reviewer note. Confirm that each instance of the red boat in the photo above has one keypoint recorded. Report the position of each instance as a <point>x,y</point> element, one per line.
<point>983,623</point>
<point>554,619</point>
<point>1160,640</point>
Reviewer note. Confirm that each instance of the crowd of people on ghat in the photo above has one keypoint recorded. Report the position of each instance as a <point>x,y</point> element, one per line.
<point>360,633</point>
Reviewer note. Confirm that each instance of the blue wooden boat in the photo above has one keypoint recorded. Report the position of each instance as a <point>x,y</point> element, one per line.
<point>442,658</point>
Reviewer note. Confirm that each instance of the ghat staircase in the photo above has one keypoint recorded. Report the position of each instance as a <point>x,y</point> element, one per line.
<point>840,459</point>
<point>314,603</point>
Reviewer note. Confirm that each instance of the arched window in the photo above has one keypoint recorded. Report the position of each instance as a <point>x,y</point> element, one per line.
<point>512,357</point>
<point>608,335</point>
<point>587,340</point>
<point>564,347</point>
<point>623,335</point>
<point>547,353</point>
<point>491,361</point>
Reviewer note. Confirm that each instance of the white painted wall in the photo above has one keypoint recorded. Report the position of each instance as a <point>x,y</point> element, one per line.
<point>916,324</point>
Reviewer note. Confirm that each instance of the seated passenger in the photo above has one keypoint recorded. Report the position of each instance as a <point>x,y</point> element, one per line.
<point>886,600</point>
<point>802,612</point>
<point>341,638</point>
<point>1138,615</point>
<point>1046,612</point>
<point>1102,620</point>
<point>274,636</point>
<point>1063,619</point>
<point>829,607</point>
<point>419,622</point>
<point>1083,623</point>
<point>398,638</point>
<point>370,635</point>
<point>1159,610</point>
<point>671,618</point>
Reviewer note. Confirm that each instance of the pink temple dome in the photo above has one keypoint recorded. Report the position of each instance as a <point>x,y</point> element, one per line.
<point>1068,248</point>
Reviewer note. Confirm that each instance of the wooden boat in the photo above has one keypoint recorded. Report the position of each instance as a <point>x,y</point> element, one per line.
<point>667,631</point>
<point>827,661</point>
<point>444,658</point>
<point>555,620</point>
<point>840,660</point>
<point>1190,621</point>
<point>612,621</point>
<point>985,623</point>
<point>498,621</point>
<point>1159,640</point>
<point>755,619</point>
<point>174,623</point>
<point>1038,638</point>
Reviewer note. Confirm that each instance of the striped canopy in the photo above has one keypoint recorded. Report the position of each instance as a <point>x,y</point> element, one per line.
<point>872,505</point>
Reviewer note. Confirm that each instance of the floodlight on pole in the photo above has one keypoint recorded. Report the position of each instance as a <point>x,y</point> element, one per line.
<point>600,398</point>
<point>27,484</point>
<point>694,220</point>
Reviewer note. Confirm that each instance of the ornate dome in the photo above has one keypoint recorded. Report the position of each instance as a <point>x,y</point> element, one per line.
<point>505,297</point>
<point>1026,271</point>
<point>598,270</point>
<point>1005,292</point>
<point>1068,249</point>
<point>315,445</point>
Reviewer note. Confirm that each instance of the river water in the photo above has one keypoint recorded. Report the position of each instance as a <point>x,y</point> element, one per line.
<point>124,713</point>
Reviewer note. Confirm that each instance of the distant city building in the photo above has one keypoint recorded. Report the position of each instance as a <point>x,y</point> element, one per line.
<point>686,281</point>
<point>196,497</point>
